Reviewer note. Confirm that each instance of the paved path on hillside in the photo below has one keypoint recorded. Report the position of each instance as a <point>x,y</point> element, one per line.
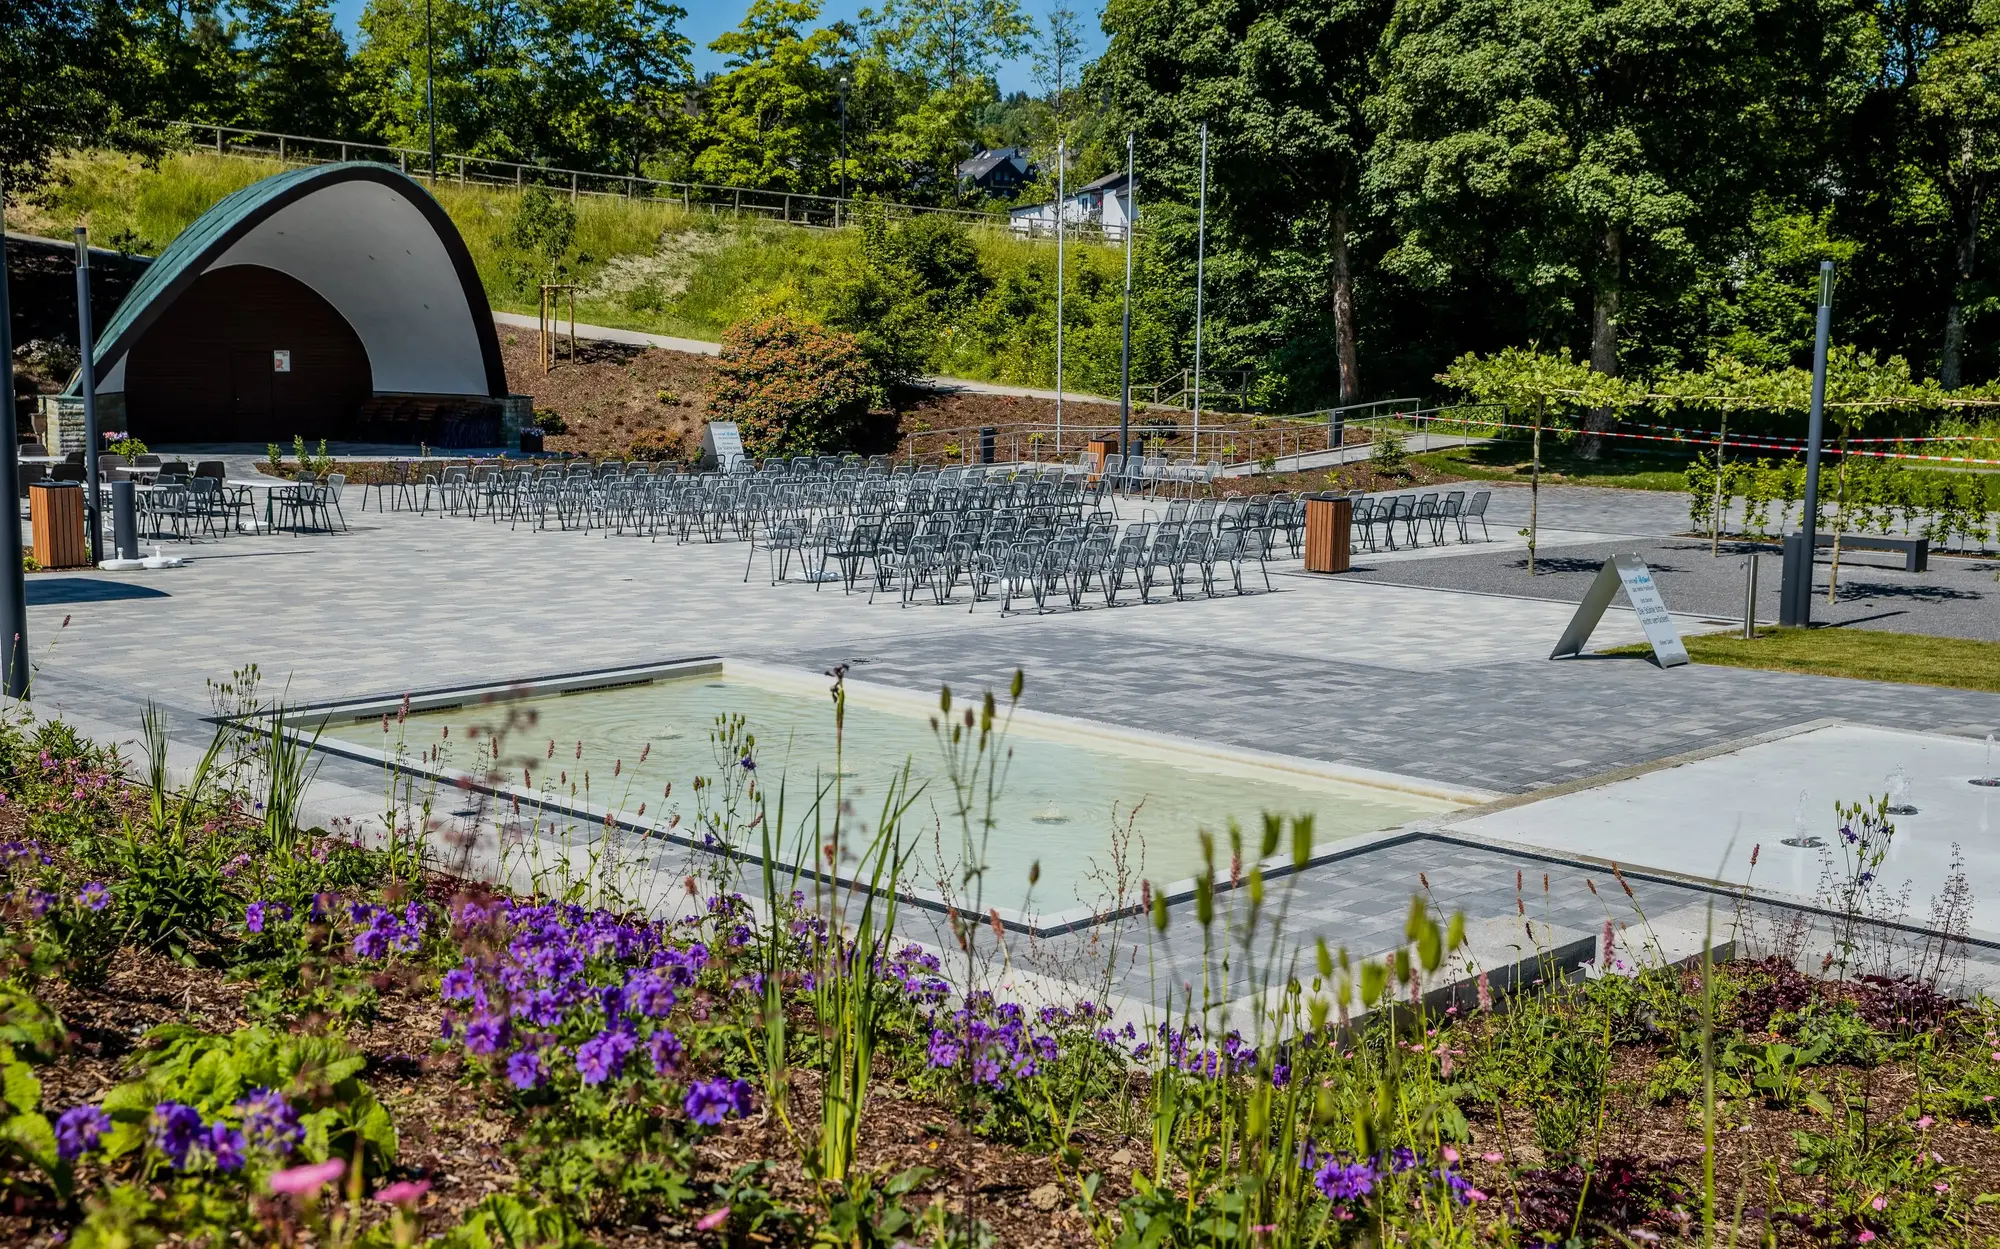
<point>701,347</point>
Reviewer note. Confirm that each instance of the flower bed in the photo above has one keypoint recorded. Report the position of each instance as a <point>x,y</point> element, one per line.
<point>217,1028</point>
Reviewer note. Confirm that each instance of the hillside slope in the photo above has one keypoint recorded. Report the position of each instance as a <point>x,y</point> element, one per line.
<point>647,265</point>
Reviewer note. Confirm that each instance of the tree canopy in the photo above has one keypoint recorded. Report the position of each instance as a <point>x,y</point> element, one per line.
<point>1649,184</point>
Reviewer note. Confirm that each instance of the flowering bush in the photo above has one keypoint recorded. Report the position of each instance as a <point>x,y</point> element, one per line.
<point>793,388</point>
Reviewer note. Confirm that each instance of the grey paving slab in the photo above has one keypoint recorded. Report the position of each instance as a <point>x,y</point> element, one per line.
<point>1426,682</point>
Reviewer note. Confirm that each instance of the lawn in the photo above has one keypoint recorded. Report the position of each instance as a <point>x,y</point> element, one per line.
<point>1866,654</point>
<point>1509,461</point>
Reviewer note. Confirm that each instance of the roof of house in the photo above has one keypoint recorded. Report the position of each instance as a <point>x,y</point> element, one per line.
<point>987,161</point>
<point>1109,182</point>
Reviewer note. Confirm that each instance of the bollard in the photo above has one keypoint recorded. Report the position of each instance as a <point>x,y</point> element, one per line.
<point>1751,597</point>
<point>125,519</point>
<point>987,435</point>
<point>1795,587</point>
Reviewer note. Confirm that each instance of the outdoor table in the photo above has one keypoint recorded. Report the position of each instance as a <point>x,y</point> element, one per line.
<point>266,484</point>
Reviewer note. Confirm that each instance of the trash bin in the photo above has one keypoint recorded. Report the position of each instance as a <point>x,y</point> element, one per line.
<point>55,511</point>
<point>1095,452</point>
<point>1329,532</point>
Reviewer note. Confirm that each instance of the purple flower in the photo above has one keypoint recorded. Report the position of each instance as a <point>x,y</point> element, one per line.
<point>1402,1158</point>
<point>649,995</point>
<point>1344,1181</point>
<point>602,1056</point>
<point>270,1122</point>
<point>1457,1186</point>
<point>524,1069</point>
<point>253,917</point>
<point>486,1034</point>
<point>1281,1075</point>
<point>78,1131</point>
<point>709,1102</point>
<point>226,1145</point>
<point>457,985</point>
<point>665,1049</point>
<point>177,1129</point>
<point>95,896</point>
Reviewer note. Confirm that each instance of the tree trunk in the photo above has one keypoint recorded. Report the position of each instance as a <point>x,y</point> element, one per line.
<point>1951,364</point>
<point>1343,312</point>
<point>1603,341</point>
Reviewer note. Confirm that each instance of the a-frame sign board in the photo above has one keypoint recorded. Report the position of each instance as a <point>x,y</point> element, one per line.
<point>1630,573</point>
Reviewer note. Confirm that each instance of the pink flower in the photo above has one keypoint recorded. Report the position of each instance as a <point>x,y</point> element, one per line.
<point>1880,1203</point>
<point>1450,1154</point>
<point>1925,1122</point>
<point>1941,1187</point>
<point>403,1191</point>
<point>1473,1194</point>
<point>713,1219</point>
<point>1865,1236</point>
<point>1493,1157</point>
<point>308,1179</point>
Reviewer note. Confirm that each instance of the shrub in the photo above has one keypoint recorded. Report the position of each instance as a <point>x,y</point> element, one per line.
<point>793,388</point>
<point>1390,453</point>
<point>550,421</point>
<point>658,446</point>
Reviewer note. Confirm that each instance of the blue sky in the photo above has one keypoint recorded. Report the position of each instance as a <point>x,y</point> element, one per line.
<point>708,18</point>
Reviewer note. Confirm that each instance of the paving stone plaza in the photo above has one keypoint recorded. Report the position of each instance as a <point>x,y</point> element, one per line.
<point>1394,671</point>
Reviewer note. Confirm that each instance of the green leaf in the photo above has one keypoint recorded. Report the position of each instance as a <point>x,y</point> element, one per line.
<point>20,1086</point>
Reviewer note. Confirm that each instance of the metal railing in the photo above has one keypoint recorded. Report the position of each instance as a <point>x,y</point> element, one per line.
<point>789,207</point>
<point>1239,440</point>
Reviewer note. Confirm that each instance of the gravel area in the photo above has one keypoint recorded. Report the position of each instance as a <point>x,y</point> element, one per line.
<point>1957,597</point>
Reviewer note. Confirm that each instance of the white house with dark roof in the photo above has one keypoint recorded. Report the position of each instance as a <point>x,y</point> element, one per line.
<point>1103,206</point>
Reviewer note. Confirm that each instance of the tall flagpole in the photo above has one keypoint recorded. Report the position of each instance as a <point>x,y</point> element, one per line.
<point>1061,158</point>
<point>13,588</point>
<point>430,91</point>
<point>1200,253</point>
<point>1125,353</point>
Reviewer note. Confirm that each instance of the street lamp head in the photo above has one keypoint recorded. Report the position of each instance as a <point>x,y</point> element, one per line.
<point>83,247</point>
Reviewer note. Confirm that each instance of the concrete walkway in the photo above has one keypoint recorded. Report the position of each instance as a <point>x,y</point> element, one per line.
<point>1353,453</point>
<point>701,347</point>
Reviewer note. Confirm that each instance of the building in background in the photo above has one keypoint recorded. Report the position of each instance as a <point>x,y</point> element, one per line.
<point>1103,208</point>
<point>999,172</point>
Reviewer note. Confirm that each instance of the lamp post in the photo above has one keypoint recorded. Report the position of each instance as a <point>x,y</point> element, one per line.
<point>1061,160</point>
<point>13,588</point>
<point>1125,352</point>
<point>844,84</point>
<point>1200,254</point>
<point>1815,429</point>
<point>87,351</point>
<point>430,93</point>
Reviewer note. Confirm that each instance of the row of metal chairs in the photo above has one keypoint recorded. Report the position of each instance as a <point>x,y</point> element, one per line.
<point>1419,514</point>
<point>1038,554</point>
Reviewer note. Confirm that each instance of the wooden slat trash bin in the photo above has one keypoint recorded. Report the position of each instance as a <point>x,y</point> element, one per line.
<point>1329,532</point>
<point>1094,452</point>
<point>55,511</point>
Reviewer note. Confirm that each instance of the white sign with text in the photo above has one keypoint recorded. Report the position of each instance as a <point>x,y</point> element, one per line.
<point>1627,572</point>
